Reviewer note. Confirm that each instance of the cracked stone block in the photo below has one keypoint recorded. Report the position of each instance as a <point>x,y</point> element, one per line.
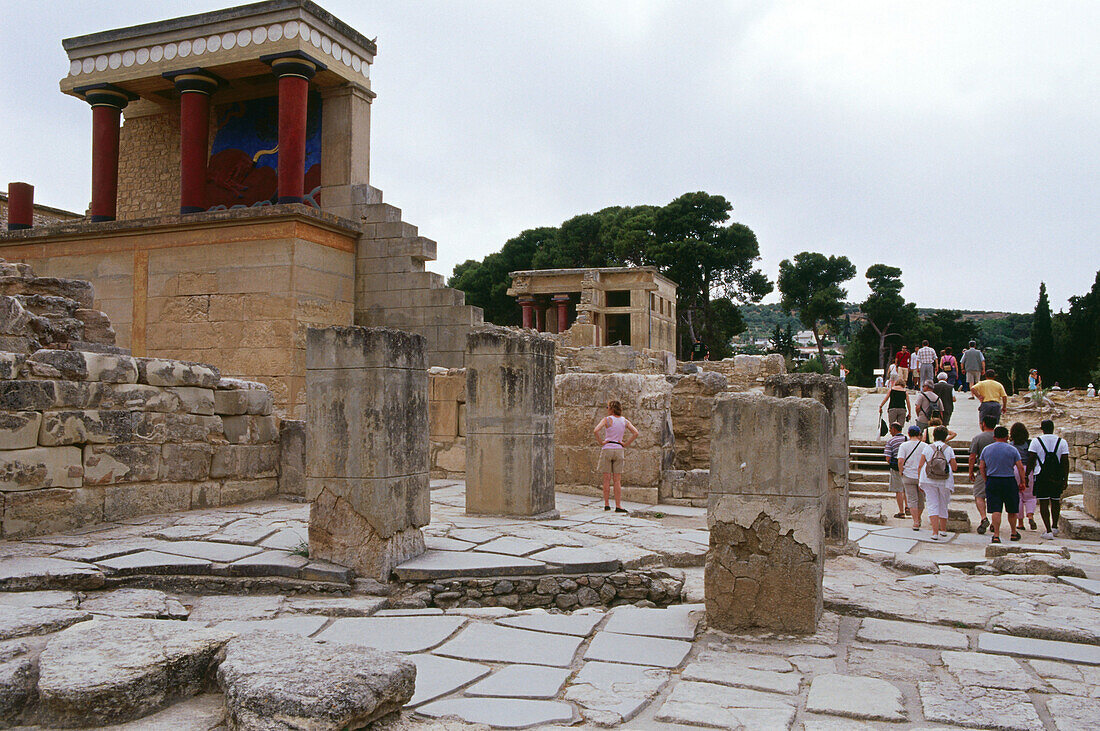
<point>854,696</point>
<point>521,681</point>
<point>977,707</point>
<point>765,512</point>
<point>29,469</point>
<point>18,621</point>
<point>501,712</point>
<point>707,704</point>
<point>17,681</point>
<point>32,574</point>
<point>440,676</point>
<point>19,429</point>
<point>610,693</point>
<point>162,372</point>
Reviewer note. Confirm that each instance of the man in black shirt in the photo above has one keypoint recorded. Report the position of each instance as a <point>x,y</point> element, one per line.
<point>699,351</point>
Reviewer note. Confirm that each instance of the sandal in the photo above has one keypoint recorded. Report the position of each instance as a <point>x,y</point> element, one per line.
<point>607,507</point>
<point>1014,537</point>
<point>899,515</point>
<point>620,510</point>
<point>996,539</point>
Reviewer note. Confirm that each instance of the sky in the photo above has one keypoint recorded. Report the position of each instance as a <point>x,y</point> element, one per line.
<point>956,140</point>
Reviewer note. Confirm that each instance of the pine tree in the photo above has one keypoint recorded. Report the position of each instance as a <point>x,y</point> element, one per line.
<point>1042,340</point>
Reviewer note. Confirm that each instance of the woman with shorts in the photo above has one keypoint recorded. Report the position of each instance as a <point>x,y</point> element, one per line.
<point>612,449</point>
<point>937,490</point>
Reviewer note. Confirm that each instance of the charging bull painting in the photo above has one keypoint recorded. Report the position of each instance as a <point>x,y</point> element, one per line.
<point>244,162</point>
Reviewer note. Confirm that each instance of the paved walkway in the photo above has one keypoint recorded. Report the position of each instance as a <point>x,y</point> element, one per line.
<point>961,646</point>
<point>864,419</point>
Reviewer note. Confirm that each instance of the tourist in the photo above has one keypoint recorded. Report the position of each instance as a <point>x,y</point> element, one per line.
<point>992,399</point>
<point>890,451</point>
<point>896,401</point>
<point>980,441</point>
<point>973,366</point>
<point>909,464</point>
<point>937,479</point>
<point>879,383</point>
<point>929,433</point>
<point>699,351</point>
<point>844,374</point>
<point>1005,478</point>
<point>1018,435</point>
<point>612,450</point>
<point>946,392</point>
<point>1034,381</point>
<point>1049,456</point>
<point>928,404</point>
<point>926,362</point>
<point>901,360</point>
<point>1091,393</point>
<point>950,366</point>
<point>1056,387</point>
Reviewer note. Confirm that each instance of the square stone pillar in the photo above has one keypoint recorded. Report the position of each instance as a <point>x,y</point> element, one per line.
<point>832,392</point>
<point>510,423</point>
<point>366,447</point>
<point>345,150</point>
<point>765,507</point>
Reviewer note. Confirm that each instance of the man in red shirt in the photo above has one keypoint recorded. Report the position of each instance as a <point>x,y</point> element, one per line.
<point>902,362</point>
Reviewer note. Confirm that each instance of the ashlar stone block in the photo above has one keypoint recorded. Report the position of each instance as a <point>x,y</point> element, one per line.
<point>509,423</point>
<point>768,485</point>
<point>366,447</point>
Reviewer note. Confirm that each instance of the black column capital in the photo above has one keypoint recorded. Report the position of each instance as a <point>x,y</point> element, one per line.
<point>106,95</point>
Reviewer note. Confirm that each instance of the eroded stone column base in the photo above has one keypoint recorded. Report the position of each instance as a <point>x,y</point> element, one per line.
<point>547,515</point>
<point>339,534</point>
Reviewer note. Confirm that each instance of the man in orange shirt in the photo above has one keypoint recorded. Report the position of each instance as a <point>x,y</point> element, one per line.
<point>993,401</point>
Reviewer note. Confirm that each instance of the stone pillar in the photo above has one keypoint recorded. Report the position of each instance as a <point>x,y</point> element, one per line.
<point>832,392</point>
<point>345,149</point>
<point>764,509</point>
<point>107,105</point>
<point>366,447</point>
<point>527,304</point>
<point>509,423</point>
<point>562,301</point>
<point>294,73</point>
<point>195,89</point>
<point>20,206</point>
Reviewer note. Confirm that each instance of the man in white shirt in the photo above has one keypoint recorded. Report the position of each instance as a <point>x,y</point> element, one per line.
<point>1049,454</point>
<point>926,359</point>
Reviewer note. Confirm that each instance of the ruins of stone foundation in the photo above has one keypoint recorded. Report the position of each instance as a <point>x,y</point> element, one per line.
<point>259,469</point>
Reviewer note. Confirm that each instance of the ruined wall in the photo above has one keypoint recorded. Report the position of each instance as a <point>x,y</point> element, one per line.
<point>692,402</point>
<point>1090,488</point>
<point>580,401</point>
<point>1084,449</point>
<point>93,437</point>
<point>447,422</point>
<point>46,312</point>
<point>40,216</point>
<point>746,371</point>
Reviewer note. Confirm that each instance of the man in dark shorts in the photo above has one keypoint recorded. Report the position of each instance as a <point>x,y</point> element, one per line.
<point>1048,460</point>
<point>1005,477</point>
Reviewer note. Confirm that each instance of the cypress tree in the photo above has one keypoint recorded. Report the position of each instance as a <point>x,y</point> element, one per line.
<point>1042,340</point>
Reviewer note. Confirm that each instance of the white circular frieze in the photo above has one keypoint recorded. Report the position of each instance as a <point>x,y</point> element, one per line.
<point>142,56</point>
<point>100,63</point>
<point>356,64</point>
<point>198,46</point>
<point>88,65</point>
<point>114,60</point>
<point>74,67</point>
<point>275,33</point>
<point>128,58</point>
<point>326,44</point>
<point>185,49</point>
<point>346,57</point>
<point>213,43</point>
<point>229,40</point>
<point>304,31</point>
<point>259,35</point>
<point>156,53</point>
<point>315,38</point>
<point>170,51</point>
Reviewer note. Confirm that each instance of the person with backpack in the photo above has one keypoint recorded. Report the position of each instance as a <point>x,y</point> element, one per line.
<point>1005,479</point>
<point>909,463</point>
<point>929,404</point>
<point>937,480</point>
<point>1048,459</point>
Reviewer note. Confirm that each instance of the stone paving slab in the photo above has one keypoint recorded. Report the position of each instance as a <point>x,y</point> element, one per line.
<point>269,563</point>
<point>28,574</point>
<point>1044,649</point>
<point>976,707</point>
<point>500,712</point>
<point>1092,586</point>
<point>707,704</point>
<point>924,535</point>
<point>609,693</point>
<point>397,634</point>
<point>209,550</point>
<point>155,562</point>
<point>304,625</point>
<point>511,546</point>
<point>441,543</point>
<point>723,668</point>
<point>577,560</point>
<point>23,621</point>
<point>637,650</point>
<point>911,633</point>
<point>578,624</point>
<point>492,643</point>
<point>286,540</point>
<point>855,696</point>
<point>887,544</point>
<point>677,622</point>
<point>439,676</point>
<point>213,609</point>
<point>521,681</point>
<point>52,598</point>
<point>448,564</point>
<point>989,671</point>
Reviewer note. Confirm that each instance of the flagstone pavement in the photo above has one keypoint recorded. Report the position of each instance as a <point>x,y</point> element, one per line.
<point>947,647</point>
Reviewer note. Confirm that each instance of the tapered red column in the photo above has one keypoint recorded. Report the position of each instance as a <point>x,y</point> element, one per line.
<point>294,74</point>
<point>195,90</point>
<point>528,307</point>
<point>20,206</point>
<point>562,302</point>
<point>107,105</point>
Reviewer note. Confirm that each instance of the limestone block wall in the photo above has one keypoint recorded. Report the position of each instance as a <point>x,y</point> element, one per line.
<point>692,402</point>
<point>49,312</point>
<point>1090,487</point>
<point>93,437</point>
<point>580,401</point>
<point>746,371</point>
<point>447,422</point>
<point>149,163</point>
<point>1084,449</point>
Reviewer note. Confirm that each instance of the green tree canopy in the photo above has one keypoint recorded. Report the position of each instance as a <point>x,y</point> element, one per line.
<point>811,287</point>
<point>886,310</point>
<point>1042,353</point>
<point>689,240</point>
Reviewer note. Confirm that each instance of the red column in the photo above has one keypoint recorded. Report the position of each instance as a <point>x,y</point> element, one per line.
<point>107,105</point>
<point>562,301</point>
<point>195,90</point>
<point>540,319</point>
<point>20,206</point>
<point>528,306</point>
<point>294,74</point>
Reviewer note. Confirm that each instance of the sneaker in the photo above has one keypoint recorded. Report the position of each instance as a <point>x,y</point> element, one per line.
<point>1055,532</point>
<point>1048,536</point>
<point>1031,522</point>
<point>982,526</point>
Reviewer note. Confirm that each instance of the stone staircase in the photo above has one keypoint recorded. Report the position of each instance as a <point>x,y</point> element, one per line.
<point>394,289</point>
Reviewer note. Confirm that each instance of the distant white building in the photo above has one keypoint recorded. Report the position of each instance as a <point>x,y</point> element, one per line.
<point>805,338</point>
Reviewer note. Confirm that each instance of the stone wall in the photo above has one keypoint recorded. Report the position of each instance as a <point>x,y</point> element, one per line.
<point>692,402</point>
<point>93,437</point>
<point>1084,449</point>
<point>1090,488</point>
<point>149,164</point>
<point>746,371</point>
<point>580,401</point>
<point>47,312</point>
<point>447,422</point>
<point>40,216</point>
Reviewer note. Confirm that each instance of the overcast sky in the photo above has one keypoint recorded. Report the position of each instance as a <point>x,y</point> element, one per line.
<point>958,141</point>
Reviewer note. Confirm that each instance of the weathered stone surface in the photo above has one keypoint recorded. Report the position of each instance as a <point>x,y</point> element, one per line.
<point>393,634</point>
<point>142,397</point>
<point>204,712</point>
<point>161,372</point>
<point>155,562</point>
<point>1071,713</point>
<point>500,712</point>
<point>728,668</point>
<point>134,604</point>
<point>912,564</point>
<point>18,621</point>
<point>367,466</point>
<point>910,633</point>
<point>248,429</point>
<point>47,599</point>
<point>31,574</point>
<point>292,457</point>
<point>29,469</point>
<point>78,365</point>
<point>95,426</point>
<point>856,697</point>
<point>576,624</point>
<point>677,622</point>
<point>1045,649</point>
<point>216,608</point>
<point>988,671</point>
<point>113,463</point>
<point>977,707</point>
<point>521,681</point>
<point>706,704</point>
<point>768,486</point>
<point>609,694</point>
<point>18,675</point>
<point>1067,624</point>
<point>867,513</point>
<point>1031,563</point>
<point>889,664</point>
<point>19,429</point>
<point>636,650</point>
<point>490,643</point>
<point>1090,490</point>
<point>274,680</point>
<point>114,670</point>
<point>438,676</point>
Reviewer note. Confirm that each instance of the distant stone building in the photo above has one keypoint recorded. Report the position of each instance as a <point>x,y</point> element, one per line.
<point>43,215</point>
<point>633,306</point>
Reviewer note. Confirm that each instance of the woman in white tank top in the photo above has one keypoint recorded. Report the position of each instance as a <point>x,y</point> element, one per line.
<point>612,449</point>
